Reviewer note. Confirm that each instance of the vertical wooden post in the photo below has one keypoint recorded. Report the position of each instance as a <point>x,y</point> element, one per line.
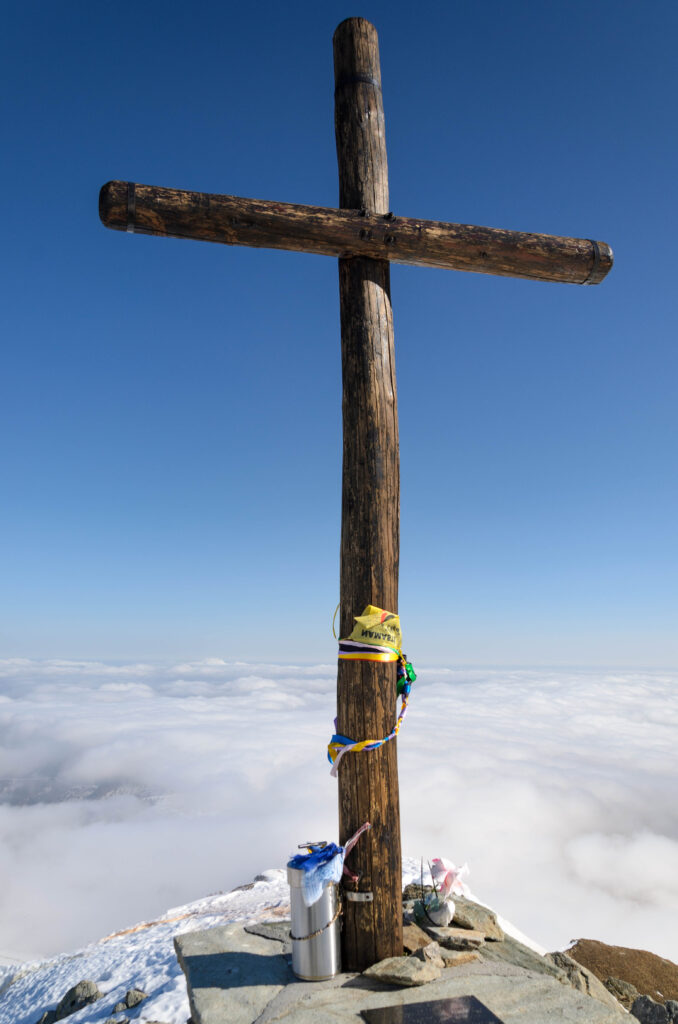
<point>366,692</point>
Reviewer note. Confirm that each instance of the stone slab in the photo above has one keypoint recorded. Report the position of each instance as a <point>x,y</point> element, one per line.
<point>414,938</point>
<point>455,938</point>
<point>231,976</point>
<point>279,930</point>
<point>237,978</point>
<point>456,957</point>
<point>514,952</point>
<point>404,970</point>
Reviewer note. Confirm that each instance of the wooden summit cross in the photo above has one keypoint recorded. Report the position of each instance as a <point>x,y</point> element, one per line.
<point>367,238</point>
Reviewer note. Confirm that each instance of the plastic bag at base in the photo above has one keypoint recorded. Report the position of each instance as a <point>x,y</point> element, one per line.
<point>441,912</point>
<point>447,879</point>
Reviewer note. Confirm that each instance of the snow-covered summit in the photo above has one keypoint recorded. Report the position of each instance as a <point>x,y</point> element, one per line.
<point>141,956</point>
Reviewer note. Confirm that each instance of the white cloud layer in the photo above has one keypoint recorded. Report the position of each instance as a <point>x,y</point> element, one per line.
<point>125,789</point>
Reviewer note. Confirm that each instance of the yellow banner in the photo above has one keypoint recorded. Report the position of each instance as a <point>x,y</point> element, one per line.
<point>376,626</point>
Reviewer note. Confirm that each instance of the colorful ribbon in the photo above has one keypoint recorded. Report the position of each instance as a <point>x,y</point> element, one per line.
<point>351,650</point>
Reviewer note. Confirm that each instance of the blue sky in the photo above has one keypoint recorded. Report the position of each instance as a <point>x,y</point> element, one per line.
<point>170,411</point>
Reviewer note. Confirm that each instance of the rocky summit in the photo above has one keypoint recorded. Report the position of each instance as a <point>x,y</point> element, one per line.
<point>238,976</point>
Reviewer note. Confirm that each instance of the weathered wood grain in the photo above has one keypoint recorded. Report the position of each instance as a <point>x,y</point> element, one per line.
<point>366,238</point>
<point>370,523</point>
<point>354,231</point>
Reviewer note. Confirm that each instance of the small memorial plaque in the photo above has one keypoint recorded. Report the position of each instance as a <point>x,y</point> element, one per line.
<point>460,1010</point>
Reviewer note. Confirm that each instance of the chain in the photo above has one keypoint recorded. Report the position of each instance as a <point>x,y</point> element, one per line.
<point>313,935</point>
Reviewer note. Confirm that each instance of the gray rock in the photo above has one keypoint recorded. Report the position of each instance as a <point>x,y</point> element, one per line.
<point>468,914</point>
<point>582,979</point>
<point>82,994</point>
<point>414,938</point>
<point>513,952</point>
<point>48,1017</point>
<point>431,954</point>
<point>455,938</point>
<point>457,957</point>
<point>672,1010</point>
<point>117,1020</point>
<point>403,970</point>
<point>279,931</point>
<point>134,997</point>
<point>622,990</point>
<point>649,1012</point>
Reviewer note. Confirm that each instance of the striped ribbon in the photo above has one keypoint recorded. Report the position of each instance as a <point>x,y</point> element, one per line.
<point>353,650</point>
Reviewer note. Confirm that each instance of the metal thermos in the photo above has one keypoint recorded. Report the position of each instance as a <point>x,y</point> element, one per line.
<point>316,936</point>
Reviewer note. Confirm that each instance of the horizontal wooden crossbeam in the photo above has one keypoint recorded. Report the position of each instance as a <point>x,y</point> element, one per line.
<point>262,224</point>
